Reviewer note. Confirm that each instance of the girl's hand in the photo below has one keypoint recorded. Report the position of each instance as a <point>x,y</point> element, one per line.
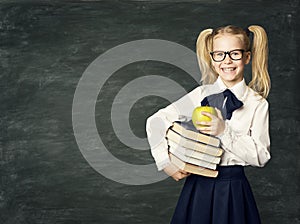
<point>214,127</point>
<point>175,173</point>
<point>180,174</point>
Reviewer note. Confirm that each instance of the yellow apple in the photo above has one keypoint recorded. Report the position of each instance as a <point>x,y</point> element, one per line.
<point>198,116</point>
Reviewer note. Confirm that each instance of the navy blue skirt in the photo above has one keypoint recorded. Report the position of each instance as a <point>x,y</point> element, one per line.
<point>227,199</point>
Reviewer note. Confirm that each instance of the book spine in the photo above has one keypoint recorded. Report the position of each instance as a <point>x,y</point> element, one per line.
<point>192,160</point>
<point>196,136</point>
<point>198,146</point>
<point>202,156</point>
<point>202,172</point>
<point>202,148</point>
<point>205,139</point>
<point>194,154</point>
<point>192,168</point>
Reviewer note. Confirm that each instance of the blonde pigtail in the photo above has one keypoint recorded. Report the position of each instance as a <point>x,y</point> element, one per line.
<point>203,47</point>
<point>260,77</point>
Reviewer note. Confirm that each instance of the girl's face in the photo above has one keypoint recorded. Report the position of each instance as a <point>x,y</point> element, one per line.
<point>230,71</point>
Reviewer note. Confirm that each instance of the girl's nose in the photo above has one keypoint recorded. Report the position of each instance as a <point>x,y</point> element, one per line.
<point>227,59</point>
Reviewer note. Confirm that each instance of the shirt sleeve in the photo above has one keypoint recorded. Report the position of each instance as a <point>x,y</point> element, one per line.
<point>158,124</point>
<point>254,147</point>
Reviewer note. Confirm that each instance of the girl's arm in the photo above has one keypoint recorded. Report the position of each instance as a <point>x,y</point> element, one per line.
<point>158,124</point>
<point>253,147</point>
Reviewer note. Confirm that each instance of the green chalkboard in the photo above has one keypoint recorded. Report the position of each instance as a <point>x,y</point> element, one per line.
<point>46,48</point>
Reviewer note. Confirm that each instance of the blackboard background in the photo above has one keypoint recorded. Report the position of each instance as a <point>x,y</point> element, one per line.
<point>45,47</point>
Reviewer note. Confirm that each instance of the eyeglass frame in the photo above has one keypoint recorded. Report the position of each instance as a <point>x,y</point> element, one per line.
<point>227,52</point>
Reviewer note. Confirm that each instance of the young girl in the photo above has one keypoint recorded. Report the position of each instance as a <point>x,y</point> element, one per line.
<point>242,125</point>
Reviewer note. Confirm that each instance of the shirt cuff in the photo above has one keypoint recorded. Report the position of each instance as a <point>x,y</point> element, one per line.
<point>160,155</point>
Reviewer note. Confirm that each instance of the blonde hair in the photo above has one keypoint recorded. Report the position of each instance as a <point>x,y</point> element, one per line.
<point>259,50</point>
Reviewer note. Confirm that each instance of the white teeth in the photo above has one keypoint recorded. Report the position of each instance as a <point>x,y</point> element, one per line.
<point>228,69</point>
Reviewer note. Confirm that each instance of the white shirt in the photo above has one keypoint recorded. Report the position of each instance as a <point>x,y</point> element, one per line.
<point>245,139</point>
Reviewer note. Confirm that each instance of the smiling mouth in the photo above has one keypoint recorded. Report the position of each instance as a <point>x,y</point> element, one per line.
<point>228,69</point>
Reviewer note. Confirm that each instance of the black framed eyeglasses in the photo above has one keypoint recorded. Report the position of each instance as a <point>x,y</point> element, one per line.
<point>236,54</point>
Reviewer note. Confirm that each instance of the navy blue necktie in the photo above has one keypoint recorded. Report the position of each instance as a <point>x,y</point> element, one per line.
<point>217,100</point>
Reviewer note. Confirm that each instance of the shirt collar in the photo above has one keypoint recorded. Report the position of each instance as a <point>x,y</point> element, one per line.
<point>238,89</point>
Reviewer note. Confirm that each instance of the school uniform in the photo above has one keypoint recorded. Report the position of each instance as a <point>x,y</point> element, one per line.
<point>227,199</point>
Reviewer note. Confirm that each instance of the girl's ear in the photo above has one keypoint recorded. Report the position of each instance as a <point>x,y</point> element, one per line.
<point>247,57</point>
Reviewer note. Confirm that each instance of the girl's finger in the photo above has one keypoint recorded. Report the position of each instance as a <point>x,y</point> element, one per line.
<point>205,123</point>
<point>206,128</point>
<point>207,114</point>
<point>184,172</point>
<point>219,113</point>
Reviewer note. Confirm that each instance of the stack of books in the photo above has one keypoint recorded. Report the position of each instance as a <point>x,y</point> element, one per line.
<point>193,151</point>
